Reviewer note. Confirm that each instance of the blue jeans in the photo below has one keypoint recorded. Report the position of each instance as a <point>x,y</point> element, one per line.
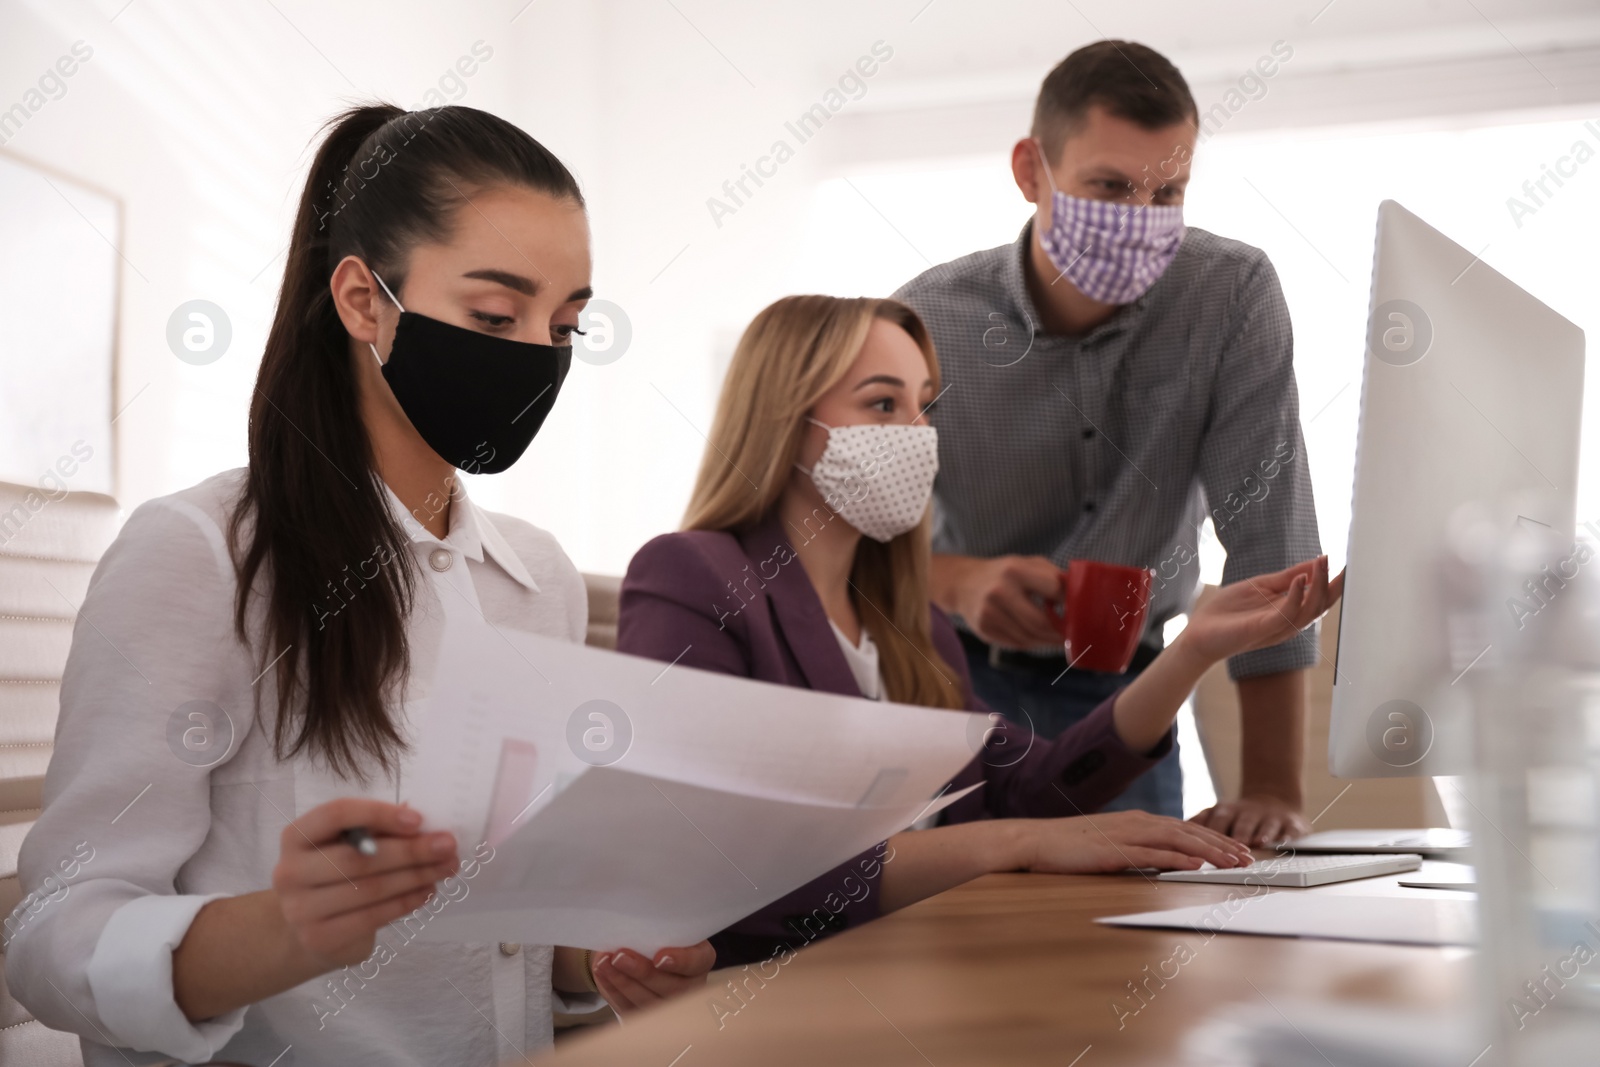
<point>1022,695</point>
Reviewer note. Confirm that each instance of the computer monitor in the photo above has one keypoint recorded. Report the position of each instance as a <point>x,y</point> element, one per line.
<point>1472,393</point>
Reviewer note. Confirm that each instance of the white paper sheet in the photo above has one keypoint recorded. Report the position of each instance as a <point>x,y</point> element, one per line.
<point>634,804</point>
<point>1306,913</point>
<point>619,859</point>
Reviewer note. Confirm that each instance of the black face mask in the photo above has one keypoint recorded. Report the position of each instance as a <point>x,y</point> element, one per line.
<point>476,399</point>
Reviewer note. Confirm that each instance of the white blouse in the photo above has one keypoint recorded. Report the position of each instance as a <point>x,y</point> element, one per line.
<point>165,781</point>
<point>863,661</point>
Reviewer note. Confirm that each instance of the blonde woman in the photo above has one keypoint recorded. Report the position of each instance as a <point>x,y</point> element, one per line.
<point>804,561</point>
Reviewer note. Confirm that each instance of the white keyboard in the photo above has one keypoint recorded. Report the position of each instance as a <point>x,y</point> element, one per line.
<point>1300,871</point>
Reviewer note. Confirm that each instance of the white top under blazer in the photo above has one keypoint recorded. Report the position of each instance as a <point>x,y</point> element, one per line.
<point>92,952</point>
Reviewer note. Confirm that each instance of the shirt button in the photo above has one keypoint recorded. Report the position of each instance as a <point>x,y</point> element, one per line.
<point>1088,505</point>
<point>1088,434</point>
<point>440,559</point>
<point>510,948</point>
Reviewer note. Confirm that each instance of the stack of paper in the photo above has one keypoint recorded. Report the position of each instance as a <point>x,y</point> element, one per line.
<point>1305,913</point>
<point>1309,914</point>
<point>633,804</point>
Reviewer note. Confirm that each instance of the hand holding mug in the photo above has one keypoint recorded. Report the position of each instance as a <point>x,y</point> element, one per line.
<point>1007,601</point>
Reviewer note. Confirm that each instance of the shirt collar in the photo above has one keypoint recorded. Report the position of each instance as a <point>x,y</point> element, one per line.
<point>1014,277</point>
<point>471,533</point>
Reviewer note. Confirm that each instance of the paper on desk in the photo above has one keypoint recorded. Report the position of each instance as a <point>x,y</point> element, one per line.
<point>634,803</point>
<point>1305,913</point>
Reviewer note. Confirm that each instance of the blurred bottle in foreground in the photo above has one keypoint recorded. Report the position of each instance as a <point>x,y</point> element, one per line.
<point>1531,599</point>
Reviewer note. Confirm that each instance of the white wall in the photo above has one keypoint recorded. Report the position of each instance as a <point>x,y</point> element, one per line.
<point>200,117</point>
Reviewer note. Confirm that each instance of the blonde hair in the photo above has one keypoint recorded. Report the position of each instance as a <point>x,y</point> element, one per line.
<point>790,355</point>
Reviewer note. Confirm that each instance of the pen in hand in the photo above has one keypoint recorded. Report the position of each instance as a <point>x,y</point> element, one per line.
<point>360,839</point>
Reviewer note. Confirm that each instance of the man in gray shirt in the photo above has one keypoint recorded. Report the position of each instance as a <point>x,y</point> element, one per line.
<point>1110,379</point>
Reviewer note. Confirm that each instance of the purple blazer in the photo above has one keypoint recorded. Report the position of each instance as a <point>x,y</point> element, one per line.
<point>743,605</point>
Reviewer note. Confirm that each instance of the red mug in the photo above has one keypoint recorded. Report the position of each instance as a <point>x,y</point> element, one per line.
<point>1104,613</point>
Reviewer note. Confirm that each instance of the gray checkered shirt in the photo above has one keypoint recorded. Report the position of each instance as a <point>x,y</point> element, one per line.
<point>1113,445</point>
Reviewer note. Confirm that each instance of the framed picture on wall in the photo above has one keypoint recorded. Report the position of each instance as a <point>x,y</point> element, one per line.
<point>59,272</point>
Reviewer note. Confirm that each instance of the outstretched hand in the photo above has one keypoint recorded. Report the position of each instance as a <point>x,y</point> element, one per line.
<point>1262,611</point>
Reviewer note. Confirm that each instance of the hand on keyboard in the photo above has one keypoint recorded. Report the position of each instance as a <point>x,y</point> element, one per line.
<point>1118,840</point>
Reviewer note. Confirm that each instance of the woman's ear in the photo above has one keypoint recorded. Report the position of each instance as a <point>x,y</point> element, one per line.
<point>358,299</point>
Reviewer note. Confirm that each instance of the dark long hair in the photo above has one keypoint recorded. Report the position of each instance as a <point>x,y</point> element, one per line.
<point>311,533</point>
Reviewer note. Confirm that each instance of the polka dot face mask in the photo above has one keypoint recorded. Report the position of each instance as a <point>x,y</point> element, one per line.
<point>878,478</point>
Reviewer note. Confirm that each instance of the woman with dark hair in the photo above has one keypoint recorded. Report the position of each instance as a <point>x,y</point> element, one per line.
<point>240,683</point>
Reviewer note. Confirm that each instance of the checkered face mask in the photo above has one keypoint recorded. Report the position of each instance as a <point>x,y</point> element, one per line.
<point>1113,252</point>
<point>877,477</point>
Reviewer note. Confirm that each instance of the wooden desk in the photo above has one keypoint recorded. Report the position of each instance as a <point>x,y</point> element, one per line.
<point>1013,969</point>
